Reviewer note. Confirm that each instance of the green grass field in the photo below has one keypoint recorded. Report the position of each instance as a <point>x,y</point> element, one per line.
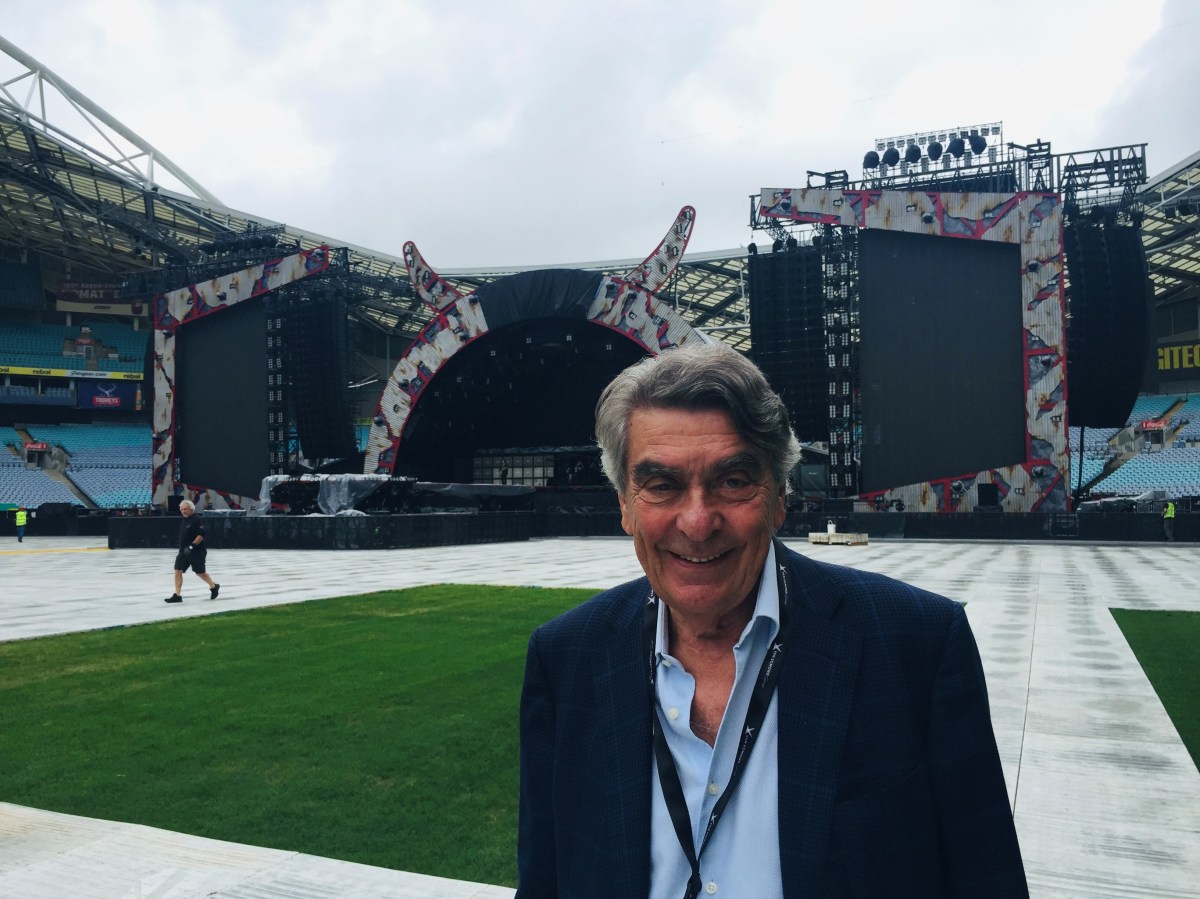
<point>1167,644</point>
<point>379,729</point>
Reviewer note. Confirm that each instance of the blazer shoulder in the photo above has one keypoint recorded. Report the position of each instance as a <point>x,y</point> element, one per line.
<point>612,610</point>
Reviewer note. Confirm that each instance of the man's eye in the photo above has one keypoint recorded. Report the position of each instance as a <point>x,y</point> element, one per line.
<point>658,491</point>
<point>737,486</point>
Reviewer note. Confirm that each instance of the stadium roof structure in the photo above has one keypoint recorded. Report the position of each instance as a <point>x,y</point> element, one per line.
<point>79,188</point>
<point>1171,230</point>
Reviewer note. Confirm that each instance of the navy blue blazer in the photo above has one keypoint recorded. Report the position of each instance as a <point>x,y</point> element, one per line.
<point>890,784</point>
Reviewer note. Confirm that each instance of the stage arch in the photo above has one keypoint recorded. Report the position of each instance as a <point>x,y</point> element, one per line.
<point>519,362</point>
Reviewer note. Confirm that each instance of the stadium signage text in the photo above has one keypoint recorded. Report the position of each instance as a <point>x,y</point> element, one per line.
<point>1154,424</point>
<point>95,293</point>
<point>71,373</point>
<point>1179,357</point>
<point>95,298</point>
<point>39,446</point>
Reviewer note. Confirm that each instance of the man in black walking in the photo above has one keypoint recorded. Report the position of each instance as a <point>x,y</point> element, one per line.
<point>192,552</point>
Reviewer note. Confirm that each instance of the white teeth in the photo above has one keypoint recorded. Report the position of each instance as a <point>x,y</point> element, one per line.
<point>696,559</point>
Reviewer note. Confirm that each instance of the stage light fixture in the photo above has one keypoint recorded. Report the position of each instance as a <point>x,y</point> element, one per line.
<point>912,154</point>
<point>752,249</point>
<point>891,156</point>
<point>792,243</point>
<point>978,143</point>
<point>777,246</point>
<point>956,147</point>
<point>934,150</point>
<point>871,160</point>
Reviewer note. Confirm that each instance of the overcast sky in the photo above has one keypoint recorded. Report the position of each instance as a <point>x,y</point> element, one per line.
<point>499,133</point>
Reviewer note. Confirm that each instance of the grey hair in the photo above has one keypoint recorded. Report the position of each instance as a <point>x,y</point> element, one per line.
<point>187,502</point>
<point>703,376</point>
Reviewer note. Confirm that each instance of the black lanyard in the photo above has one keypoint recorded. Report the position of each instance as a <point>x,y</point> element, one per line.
<point>760,700</point>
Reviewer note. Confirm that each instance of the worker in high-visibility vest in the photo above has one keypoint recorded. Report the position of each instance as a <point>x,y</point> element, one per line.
<point>22,519</point>
<point>1169,520</point>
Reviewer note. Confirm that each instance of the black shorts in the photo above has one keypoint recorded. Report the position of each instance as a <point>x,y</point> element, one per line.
<point>194,560</point>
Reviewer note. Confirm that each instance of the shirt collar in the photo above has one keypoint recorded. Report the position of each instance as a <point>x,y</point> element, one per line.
<point>766,607</point>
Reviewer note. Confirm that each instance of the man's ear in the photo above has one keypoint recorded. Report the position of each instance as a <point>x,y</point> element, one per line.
<point>626,515</point>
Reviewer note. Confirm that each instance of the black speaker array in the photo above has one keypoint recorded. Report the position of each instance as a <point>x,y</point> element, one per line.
<point>317,358</point>
<point>787,333</point>
<point>1108,334</point>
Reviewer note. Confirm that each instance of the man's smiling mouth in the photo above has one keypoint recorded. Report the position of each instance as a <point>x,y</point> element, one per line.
<point>700,559</point>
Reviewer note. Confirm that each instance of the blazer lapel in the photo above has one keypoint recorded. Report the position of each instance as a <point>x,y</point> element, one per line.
<point>816,691</point>
<point>623,737</point>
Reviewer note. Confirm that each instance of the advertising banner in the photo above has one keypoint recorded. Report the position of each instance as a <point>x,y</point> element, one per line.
<point>1179,361</point>
<point>71,373</point>
<point>95,298</point>
<point>116,396</point>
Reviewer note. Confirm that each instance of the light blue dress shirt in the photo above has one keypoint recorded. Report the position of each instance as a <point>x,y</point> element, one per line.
<point>741,860</point>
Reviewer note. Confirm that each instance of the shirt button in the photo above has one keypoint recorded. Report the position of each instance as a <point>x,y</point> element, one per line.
<point>710,887</point>
<point>672,714</point>
<point>713,789</point>
<point>666,662</point>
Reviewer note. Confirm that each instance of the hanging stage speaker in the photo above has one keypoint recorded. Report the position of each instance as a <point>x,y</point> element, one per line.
<point>787,334</point>
<point>317,351</point>
<point>1108,333</point>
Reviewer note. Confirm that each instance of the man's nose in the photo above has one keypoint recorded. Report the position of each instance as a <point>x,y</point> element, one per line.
<point>700,515</point>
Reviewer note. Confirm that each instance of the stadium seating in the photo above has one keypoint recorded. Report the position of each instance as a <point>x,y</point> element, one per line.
<point>1175,468</point>
<point>41,346</point>
<point>110,463</point>
<point>32,487</point>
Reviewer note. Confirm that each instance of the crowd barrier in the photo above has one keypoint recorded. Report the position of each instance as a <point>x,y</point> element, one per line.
<point>327,532</point>
<point>459,528</point>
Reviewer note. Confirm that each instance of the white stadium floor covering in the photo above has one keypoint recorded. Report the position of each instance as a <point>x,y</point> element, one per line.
<point>1106,797</point>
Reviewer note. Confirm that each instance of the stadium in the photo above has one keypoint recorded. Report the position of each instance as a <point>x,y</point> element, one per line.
<point>375,364</point>
<point>980,341</point>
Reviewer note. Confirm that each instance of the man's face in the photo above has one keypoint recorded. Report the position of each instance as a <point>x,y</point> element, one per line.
<point>701,507</point>
<point>186,511</point>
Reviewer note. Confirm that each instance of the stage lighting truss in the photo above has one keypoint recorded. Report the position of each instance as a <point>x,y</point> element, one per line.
<point>839,264</point>
<point>935,151</point>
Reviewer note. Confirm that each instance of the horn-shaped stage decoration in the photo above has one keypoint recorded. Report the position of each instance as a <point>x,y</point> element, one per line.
<point>435,291</point>
<point>657,268</point>
<point>627,304</point>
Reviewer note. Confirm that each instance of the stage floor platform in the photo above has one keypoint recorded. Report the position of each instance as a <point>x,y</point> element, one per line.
<point>1106,797</point>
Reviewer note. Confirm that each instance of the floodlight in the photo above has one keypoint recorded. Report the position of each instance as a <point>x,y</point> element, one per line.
<point>891,156</point>
<point>912,154</point>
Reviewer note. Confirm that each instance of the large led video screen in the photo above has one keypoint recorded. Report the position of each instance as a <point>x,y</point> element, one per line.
<point>221,399</point>
<point>941,357</point>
